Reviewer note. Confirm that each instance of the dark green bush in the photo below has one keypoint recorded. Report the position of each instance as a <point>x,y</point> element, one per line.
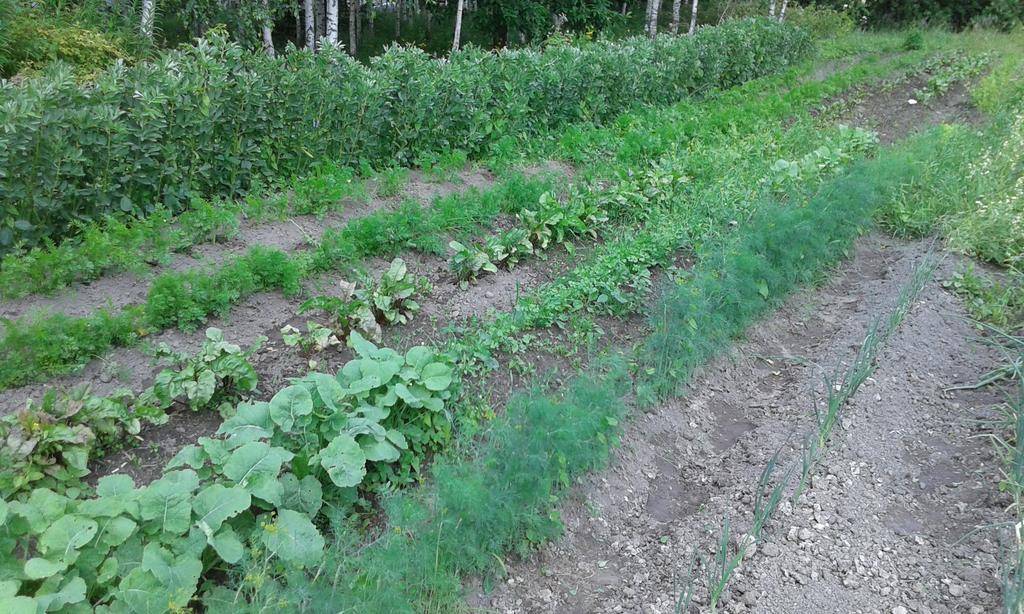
<point>213,119</point>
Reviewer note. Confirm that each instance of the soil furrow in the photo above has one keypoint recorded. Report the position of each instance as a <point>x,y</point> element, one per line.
<point>687,465</point>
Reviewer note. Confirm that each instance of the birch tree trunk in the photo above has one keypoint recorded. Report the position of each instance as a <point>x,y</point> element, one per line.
<point>771,9</point>
<point>675,16</point>
<point>653,7</point>
<point>353,26</point>
<point>267,31</point>
<point>782,13</point>
<point>398,19</point>
<point>332,21</point>
<point>693,18</point>
<point>307,9</point>
<point>148,11</point>
<point>458,26</point>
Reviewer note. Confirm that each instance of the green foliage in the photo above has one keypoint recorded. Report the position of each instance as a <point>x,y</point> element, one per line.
<point>32,40</point>
<point>820,21</point>
<point>326,189</point>
<point>449,528</point>
<point>317,338</point>
<point>783,247</point>
<point>213,377</point>
<point>49,444</point>
<point>73,153</point>
<point>468,263</point>
<point>252,491</point>
<point>186,299</point>
<point>988,300</point>
<point>913,40</point>
<point>390,181</point>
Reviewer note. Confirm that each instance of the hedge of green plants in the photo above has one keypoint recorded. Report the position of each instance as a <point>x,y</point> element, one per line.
<point>214,119</point>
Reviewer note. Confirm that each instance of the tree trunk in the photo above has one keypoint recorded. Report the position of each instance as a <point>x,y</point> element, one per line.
<point>771,9</point>
<point>675,16</point>
<point>782,13</point>
<point>332,21</point>
<point>267,32</point>
<point>653,7</point>
<point>397,19</point>
<point>624,8</point>
<point>148,11</point>
<point>307,9</point>
<point>693,18</point>
<point>458,26</point>
<point>353,26</point>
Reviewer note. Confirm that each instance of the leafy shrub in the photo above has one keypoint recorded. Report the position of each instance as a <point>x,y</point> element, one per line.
<point>821,22</point>
<point>120,146</point>
<point>33,41</point>
<point>913,41</point>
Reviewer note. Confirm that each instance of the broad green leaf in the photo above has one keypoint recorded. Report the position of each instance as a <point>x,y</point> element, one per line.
<point>330,391</point>
<point>215,504</point>
<point>251,422</point>
<point>255,467</point>
<point>418,357</point>
<point>115,531</point>
<point>437,376</point>
<point>66,536</point>
<point>227,545</point>
<point>18,605</point>
<point>381,451</point>
<point>168,501</point>
<point>305,495</point>
<point>8,588</point>
<point>360,345</point>
<point>344,461</point>
<point>53,597</point>
<point>37,568</point>
<point>397,438</point>
<point>191,456</point>
<point>178,575</point>
<point>290,404</point>
<point>293,538</point>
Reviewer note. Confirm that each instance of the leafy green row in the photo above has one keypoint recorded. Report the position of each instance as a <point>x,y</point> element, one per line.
<point>448,529</point>
<point>50,444</point>
<point>113,244</point>
<point>252,491</point>
<point>213,119</point>
<point>33,349</point>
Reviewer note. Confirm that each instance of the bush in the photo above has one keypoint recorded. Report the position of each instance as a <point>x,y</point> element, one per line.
<point>213,119</point>
<point>29,42</point>
<point>819,21</point>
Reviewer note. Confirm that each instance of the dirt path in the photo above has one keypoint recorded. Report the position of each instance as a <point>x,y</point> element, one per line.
<point>889,522</point>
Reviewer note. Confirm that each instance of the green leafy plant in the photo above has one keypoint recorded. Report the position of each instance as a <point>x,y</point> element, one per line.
<point>50,443</point>
<point>214,376</point>
<point>509,247</point>
<point>469,262</point>
<point>317,338</point>
<point>391,297</point>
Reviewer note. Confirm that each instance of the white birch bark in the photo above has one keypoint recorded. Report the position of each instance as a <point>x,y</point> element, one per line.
<point>310,24</point>
<point>458,26</point>
<point>332,21</point>
<point>675,16</point>
<point>148,12</point>
<point>771,9</point>
<point>693,18</point>
<point>782,13</point>
<point>353,26</point>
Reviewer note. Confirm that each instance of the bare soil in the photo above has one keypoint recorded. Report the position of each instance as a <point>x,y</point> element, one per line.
<point>898,515</point>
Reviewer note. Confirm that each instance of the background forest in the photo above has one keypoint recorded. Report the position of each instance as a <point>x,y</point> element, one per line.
<point>89,34</point>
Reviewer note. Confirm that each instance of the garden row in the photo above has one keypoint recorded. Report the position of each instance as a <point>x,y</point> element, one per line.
<point>187,298</point>
<point>215,120</point>
<point>327,431</point>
